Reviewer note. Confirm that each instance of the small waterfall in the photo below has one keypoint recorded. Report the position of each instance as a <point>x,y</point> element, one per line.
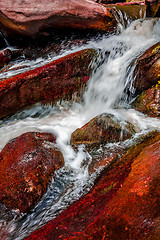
<point>4,38</point>
<point>107,85</point>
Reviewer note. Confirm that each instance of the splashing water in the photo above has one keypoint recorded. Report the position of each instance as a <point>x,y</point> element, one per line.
<point>104,93</point>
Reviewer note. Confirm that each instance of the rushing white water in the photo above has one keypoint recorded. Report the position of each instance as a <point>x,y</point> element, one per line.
<point>104,93</point>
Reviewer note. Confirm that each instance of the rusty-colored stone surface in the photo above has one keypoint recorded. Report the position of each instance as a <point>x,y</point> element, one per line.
<point>147,71</point>
<point>31,17</point>
<point>149,101</point>
<point>124,203</point>
<point>103,128</point>
<point>27,164</point>
<point>56,80</point>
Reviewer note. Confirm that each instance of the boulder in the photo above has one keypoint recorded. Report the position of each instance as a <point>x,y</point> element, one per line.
<point>46,84</point>
<point>27,164</point>
<point>101,129</point>
<point>124,203</point>
<point>148,101</point>
<point>32,16</point>
<point>133,213</point>
<point>147,70</point>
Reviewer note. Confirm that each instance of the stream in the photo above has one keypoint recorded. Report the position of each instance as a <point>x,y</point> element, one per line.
<point>105,93</point>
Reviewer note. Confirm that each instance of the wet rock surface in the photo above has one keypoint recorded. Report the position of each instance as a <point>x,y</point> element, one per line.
<point>56,80</point>
<point>148,101</point>
<point>101,129</point>
<point>125,198</point>
<point>27,164</point>
<point>147,71</point>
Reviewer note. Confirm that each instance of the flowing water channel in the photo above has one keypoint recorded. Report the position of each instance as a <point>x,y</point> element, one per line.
<point>105,93</point>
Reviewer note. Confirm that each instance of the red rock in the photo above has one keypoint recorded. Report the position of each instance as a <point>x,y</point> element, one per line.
<point>30,17</point>
<point>124,203</point>
<point>149,102</point>
<point>56,80</point>
<point>134,212</point>
<point>147,71</point>
<point>101,129</point>
<point>27,164</point>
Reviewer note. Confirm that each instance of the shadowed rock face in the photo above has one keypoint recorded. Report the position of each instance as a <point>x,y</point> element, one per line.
<point>124,203</point>
<point>30,17</point>
<point>149,101</point>
<point>153,8</point>
<point>101,129</point>
<point>56,80</point>
<point>147,71</point>
<point>27,164</point>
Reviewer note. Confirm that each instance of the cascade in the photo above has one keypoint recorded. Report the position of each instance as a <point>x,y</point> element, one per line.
<point>105,93</point>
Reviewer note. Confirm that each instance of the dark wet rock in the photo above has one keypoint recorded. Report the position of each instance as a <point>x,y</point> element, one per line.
<point>124,203</point>
<point>148,101</point>
<point>31,17</point>
<point>8,55</point>
<point>27,164</point>
<point>147,71</point>
<point>101,129</point>
<point>5,57</point>
<point>47,84</point>
<point>153,8</point>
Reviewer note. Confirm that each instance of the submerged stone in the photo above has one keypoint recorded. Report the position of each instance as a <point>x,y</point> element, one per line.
<point>101,129</point>
<point>124,203</point>
<point>47,84</point>
<point>27,164</point>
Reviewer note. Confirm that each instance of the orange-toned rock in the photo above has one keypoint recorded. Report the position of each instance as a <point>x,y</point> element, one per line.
<point>149,101</point>
<point>56,80</point>
<point>32,16</point>
<point>101,129</point>
<point>124,203</point>
<point>153,8</point>
<point>27,164</point>
<point>147,71</point>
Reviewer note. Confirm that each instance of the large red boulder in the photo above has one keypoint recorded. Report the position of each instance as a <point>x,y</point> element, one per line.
<point>148,101</point>
<point>32,16</point>
<point>56,80</point>
<point>147,71</point>
<point>27,164</point>
<point>124,203</point>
